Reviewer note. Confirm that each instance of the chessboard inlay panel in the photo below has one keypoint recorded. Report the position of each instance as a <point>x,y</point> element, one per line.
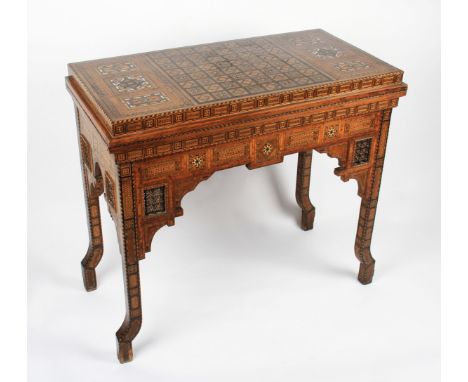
<point>221,71</point>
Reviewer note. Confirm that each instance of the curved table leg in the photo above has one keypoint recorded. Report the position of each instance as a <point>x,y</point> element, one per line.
<point>304,163</point>
<point>133,318</point>
<point>366,222</point>
<point>370,197</point>
<point>95,250</point>
<point>128,247</point>
<point>363,241</point>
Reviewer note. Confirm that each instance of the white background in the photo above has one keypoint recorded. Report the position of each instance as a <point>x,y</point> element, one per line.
<point>235,290</point>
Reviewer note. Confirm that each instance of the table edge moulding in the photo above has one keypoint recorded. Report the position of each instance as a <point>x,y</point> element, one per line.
<point>152,126</point>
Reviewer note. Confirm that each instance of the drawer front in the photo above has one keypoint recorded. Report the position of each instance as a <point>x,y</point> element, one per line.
<point>326,133</point>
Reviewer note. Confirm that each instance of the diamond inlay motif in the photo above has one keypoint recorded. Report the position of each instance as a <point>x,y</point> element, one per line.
<point>326,52</point>
<point>130,83</point>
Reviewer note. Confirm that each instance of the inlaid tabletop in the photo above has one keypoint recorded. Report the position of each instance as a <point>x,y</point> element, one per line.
<point>186,83</point>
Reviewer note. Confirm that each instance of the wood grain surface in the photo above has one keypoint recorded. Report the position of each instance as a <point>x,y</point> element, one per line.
<point>152,126</point>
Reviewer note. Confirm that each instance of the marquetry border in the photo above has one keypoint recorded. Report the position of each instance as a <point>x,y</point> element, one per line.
<point>213,136</point>
<point>166,119</point>
<point>230,107</point>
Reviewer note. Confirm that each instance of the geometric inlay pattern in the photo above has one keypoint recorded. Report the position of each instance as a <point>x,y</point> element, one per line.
<point>326,52</point>
<point>267,149</point>
<point>155,200</point>
<point>197,161</point>
<point>110,190</point>
<point>86,153</point>
<point>351,66</point>
<point>130,83</point>
<point>315,46</point>
<point>117,67</point>
<point>362,151</point>
<point>307,41</point>
<point>145,100</point>
<point>220,71</point>
<point>331,131</point>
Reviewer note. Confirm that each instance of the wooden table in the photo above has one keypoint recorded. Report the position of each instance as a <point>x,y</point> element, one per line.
<point>152,126</point>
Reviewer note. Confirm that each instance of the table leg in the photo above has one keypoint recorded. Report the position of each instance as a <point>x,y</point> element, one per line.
<point>95,250</point>
<point>366,225</point>
<point>133,318</point>
<point>128,247</point>
<point>302,190</point>
<point>363,240</point>
<point>370,196</point>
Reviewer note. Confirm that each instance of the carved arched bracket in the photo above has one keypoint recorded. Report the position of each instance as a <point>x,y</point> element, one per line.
<point>178,189</point>
<point>359,176</point>
<point>102,184</point>
<point>345,171</point>
<point>150,231</point>
<point>96,183</point>
<point>183,186</point>
<point>96,188</point>
<point>338,151</point>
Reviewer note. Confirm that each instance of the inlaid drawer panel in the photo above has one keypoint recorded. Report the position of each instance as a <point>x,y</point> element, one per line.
<point>327,132</point>
<point>231,153</point>
<point>164,166</point>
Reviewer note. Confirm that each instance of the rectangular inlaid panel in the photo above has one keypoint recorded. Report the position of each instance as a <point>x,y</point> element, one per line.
<point>155,200</point>
<point>302,137</point>
<point>86,153</point>
<point>161,167</point>
<point>176,85</point>
<point>362,151</point>
<point>231,153</point>
<point>109,190</point>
